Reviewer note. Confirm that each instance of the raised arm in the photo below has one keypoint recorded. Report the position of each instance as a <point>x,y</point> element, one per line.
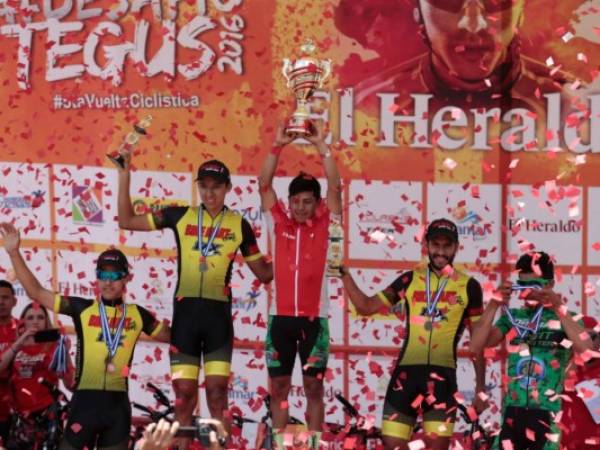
<point>128,219</point>
<point>483,332</point>
<point>265,180</point>
<point>30,283</point>
<point>334,185</point>
<point>365,305</point>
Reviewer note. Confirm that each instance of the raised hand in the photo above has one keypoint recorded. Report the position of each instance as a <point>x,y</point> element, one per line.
<point>10,236</point>
<point>282,138</point>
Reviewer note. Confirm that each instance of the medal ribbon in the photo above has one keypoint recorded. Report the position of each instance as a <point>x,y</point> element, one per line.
<point>112,340</point>
<point>59,358</point>
<point>431,305</point>
<point>204,250</point>
<point>531,327</point>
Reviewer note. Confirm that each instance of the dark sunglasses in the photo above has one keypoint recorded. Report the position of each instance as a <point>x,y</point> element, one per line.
<point>105,275</point>
<point>455,6</point>
<point>534,282</point>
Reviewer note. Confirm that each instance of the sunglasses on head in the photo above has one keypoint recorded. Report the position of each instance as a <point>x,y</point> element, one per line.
<point>456,6</point>
<point>106,275</point>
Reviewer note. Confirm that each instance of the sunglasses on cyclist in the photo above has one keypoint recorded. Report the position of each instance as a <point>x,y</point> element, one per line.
<point>534,282</point>
<point>456,6</point>
<point>106,275</point>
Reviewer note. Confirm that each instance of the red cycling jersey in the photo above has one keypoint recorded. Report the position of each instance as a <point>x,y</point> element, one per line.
<point>31,363</point>
<point>8,335</point>
<point>299,259</point>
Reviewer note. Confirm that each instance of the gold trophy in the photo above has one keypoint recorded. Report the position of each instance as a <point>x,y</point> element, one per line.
<point>335,247</point>
<point>304,76</point>
<point>130,141</point>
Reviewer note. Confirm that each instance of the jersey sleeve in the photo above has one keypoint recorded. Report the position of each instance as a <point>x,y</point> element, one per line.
<point>166,217</point>
<point>475,300</point>
<point>70,306</point>
<point>395,292</point>
<point>249,247</point>
<point>150,324</point>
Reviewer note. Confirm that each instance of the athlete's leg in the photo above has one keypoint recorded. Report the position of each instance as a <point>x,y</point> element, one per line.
<point>314,353</point>
<point>186,398</point>
<point>280,389</point>
<point>393,443</point>
<point>216,396</point>
<point>437,442</point>
<point>315,407</point>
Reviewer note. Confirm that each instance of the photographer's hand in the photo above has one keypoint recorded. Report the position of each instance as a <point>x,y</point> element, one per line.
<point>158,436</point>
<point>217,438</point>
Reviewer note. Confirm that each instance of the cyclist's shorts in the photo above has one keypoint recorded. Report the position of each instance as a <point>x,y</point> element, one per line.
<point>98,419</point>
<point>515,423</point>
<point>287,335</point>
<point>414,389</point>
<point>201,329</point>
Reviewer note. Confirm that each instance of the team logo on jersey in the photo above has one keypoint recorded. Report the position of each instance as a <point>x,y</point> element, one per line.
<point>209,250</point>
<point>530,370</point>
<point>438,317</point>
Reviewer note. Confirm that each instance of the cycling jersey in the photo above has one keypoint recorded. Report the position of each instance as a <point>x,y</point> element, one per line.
<point>299,262</point>
<point>535,377</point>
<point>8,335</point>
<point>433,340</point>
<point>31,363</point>
<point>92,368</point>
<point>232,232</point>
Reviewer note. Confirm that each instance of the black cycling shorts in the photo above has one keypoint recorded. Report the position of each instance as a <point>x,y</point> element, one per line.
<point>98,419</point>
<point>434,386</point>
<point>288,335</point>
<point>201,329</point>
<point>516,421</point>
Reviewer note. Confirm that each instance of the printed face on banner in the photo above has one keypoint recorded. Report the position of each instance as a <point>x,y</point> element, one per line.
<point>24,198</point>
<point>244,198</point>
<point>152,191</point>
<point>384,220</point>
<point>593,251</point>
<point>371,377</point>
<point>549,218</point>
<point>475,210</point>
<point>378,330</point>
<point>39,262</point>
<point>86,204</point>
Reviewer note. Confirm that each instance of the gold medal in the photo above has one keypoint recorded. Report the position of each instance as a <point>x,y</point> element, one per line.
<point>428,325</point>
<point>203,264</point>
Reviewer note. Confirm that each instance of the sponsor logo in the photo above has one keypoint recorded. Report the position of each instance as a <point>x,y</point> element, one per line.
<point>87,205</point>
<point>298,392</point>
<point>247,302</point>
<point>113,322</point>
<point>238,390</point>
<point>530,370</point>
<point>470,224</point>
<point>75,289</point>
<point>35,200</point>
<point>386,223</point>
<point>556,226</point>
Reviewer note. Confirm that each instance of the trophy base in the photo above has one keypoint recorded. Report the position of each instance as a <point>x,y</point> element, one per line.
<point>118,160</point>
<point>300,126</point>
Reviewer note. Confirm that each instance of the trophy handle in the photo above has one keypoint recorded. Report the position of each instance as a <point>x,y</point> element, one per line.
<point>326,67</point>
<point>286,69</point>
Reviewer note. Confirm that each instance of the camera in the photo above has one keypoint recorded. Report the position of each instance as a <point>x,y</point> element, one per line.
<point>201,431</point>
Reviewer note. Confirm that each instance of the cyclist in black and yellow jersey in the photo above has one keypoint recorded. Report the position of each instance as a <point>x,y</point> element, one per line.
<point>208,238</point>
<point>107,331</point>
<point>438,301</point>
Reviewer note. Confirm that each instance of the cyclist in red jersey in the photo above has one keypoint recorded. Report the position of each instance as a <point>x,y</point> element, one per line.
<point>8,334</point>
<point>298,315</point>
<point>579,430</point>
<point>26,361</point>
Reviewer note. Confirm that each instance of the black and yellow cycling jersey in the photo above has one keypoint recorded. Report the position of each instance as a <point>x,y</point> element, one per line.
<point>432,340</point>
<point>233,232</point>
<point>93,372</point>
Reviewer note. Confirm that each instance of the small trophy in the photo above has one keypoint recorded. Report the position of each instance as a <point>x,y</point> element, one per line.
<point>304,76</point>
<point>131,139</point>
<point>335,249</point>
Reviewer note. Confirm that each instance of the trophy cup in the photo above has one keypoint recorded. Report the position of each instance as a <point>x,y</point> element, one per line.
<point>131,139</point>
<point>304,76</point>
<point>335,248</point>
